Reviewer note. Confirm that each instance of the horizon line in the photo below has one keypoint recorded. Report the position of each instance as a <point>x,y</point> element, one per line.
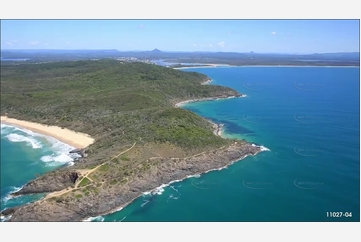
<point>182,51</point>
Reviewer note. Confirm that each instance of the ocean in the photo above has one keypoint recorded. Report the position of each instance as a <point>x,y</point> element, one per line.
<point>308,118</point>
<point>25,155</point>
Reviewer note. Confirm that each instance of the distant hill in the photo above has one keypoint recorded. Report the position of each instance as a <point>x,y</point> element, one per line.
<point>156,51</point>
<point>233,58</point>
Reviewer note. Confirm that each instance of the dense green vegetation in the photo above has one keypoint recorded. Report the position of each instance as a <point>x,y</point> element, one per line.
<point>116,103</point>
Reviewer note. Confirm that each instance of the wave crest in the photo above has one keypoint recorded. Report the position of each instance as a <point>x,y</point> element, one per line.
<point>21,138</point>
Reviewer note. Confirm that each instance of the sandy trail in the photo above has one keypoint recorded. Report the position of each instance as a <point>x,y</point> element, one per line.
<point>85,174</point>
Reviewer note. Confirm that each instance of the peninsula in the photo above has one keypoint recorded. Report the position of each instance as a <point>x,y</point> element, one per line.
<point>136,137</point>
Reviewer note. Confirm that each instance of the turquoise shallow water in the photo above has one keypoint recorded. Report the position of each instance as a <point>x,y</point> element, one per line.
<point>24,155</point>
<point>308,117</point>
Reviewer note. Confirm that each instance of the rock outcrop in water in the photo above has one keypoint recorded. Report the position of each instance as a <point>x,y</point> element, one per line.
<point>80,152</point>
<point>107,200</point>
<point>50,182</point>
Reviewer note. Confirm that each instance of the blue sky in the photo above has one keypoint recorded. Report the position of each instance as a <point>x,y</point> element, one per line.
<point>262,36</point>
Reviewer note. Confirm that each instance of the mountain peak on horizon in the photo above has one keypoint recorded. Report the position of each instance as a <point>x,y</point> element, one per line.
<point>156,50</point>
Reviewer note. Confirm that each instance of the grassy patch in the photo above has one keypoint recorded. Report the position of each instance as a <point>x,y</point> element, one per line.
<point>84,182</point>
<point>104,168</point>
<point>125,158</point>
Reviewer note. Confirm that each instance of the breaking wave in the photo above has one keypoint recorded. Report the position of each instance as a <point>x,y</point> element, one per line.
<point>94,219</point>
<point>21,138</point>
<point>55,152</point>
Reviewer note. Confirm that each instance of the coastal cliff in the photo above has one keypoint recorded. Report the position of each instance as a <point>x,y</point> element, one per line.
<point>50,182</point>
<point>141,138</point>
<point>119,195</point>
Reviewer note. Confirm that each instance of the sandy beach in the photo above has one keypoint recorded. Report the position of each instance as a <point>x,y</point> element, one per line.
<point>75,139</point>
<point>202,66</point>
<point>180,104</point>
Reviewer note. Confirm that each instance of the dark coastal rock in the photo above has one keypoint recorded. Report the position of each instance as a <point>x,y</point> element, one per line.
<point>9,211</point>
<point>80,152</point>
<point>108,200</point>
<point>51,182</point>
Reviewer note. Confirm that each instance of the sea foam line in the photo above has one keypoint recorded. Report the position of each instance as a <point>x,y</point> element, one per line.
<point>5,218</point>
<point>8,196</point>
<point>182,103</point>
<point>21,138</point>
<point>60,150</point>
<point>95,219</point>
<point>160,189</point>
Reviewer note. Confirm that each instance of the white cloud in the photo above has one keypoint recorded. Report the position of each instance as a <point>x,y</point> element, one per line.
<point>194,44</point>
<point>273,32</point>
<point>221,44</point>
<point>11,42</point>
<point>34,43</point>
<point>210,45</point>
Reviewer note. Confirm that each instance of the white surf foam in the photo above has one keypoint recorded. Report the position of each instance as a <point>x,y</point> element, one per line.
<point>264,148</point>
<point>3,126</point>
<point>3,218</point>
<point>195,176</point>
<point>16,128</point>
<point>94,219</point>
<point>143,204</point>
<point>8,197</point>
<point>6,129</point>
<point>172,187</point>
<point>159,190</point>
<point>57,157</point>
<point>21,138</point>
<point>60,153</point>
<point>173,197</point>
<point>59,150</point>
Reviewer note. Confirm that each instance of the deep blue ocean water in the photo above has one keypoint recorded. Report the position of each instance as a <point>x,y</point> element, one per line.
<point>309,118</point>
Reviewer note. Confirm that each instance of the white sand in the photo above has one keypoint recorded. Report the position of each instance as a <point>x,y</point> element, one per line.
<point>202,66</point>
<point>75,139</point>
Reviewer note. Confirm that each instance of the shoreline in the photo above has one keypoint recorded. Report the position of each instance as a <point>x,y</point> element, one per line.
<point>227,65</point>
<point>154,191</point>
<point>202,66</point>
<point>75,139</point>
<point>217,130</point>
<point>182,103</point>
<point>53,131</point>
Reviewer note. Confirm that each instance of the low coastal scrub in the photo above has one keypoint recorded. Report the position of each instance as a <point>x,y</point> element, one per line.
<point>129,109</point>
<point>117,104</point>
